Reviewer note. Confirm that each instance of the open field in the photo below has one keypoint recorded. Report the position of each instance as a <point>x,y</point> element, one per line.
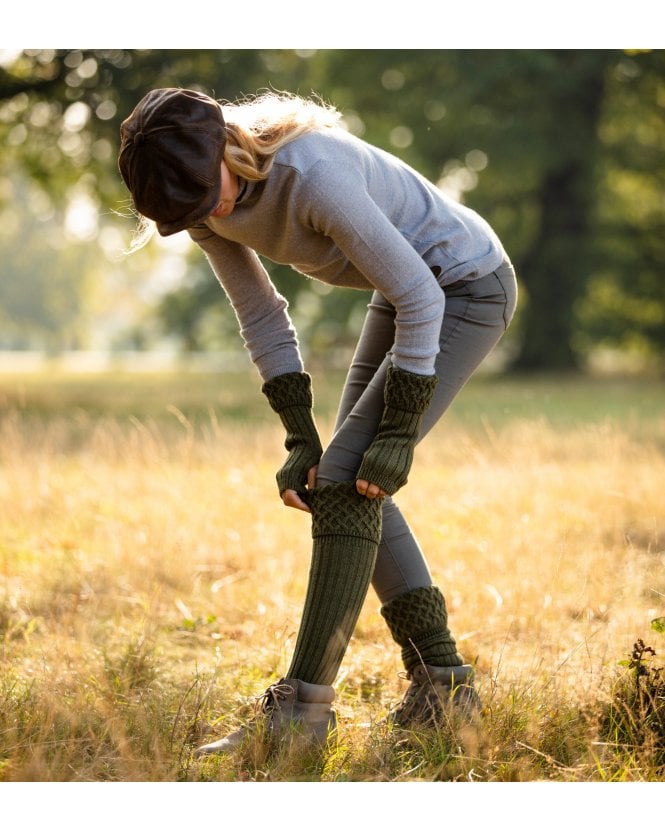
<point>151,581</point>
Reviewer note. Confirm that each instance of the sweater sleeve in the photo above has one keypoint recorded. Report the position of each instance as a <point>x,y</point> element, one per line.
<point>341,208</point>
<point>262,312</point>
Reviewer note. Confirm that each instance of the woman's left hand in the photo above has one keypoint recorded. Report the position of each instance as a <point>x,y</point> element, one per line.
<point>368,489</point>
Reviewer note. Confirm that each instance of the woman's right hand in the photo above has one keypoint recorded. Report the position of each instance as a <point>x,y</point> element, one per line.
<point>292,499</point>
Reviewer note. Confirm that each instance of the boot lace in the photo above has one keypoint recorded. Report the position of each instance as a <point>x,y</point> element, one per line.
<point>272,697</point>
<point>423,698</point>
<point>409,696</point>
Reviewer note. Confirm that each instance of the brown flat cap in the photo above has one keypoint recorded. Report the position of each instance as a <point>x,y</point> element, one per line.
<point>171,150</point>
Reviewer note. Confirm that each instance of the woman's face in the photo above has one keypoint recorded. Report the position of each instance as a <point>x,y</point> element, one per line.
<point>229,194</point>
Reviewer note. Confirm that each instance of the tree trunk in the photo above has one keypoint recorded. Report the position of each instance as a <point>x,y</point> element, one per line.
<point>555,268</point>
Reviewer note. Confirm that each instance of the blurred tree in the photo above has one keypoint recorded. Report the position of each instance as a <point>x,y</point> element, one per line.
<point>539,113</point>
<point>624,304</point>
<point>48,281</point>
<point>562,151</point>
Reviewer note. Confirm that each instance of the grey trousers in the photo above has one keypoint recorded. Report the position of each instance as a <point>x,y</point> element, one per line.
<point>477,313</point>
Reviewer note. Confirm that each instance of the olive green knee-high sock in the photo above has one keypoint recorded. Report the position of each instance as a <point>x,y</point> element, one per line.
<point>418,622</point>
<point>346,530</point>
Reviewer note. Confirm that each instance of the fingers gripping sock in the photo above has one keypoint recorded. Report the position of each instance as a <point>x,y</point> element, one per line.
<point>418,622</point>
<point>346,530</point>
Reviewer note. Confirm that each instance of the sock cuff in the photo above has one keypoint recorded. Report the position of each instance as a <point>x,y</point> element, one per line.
<point>339,510</point>
<point>415,614</point>
<point>435,649</point>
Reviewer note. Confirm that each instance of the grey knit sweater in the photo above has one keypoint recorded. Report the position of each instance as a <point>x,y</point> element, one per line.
<point>349,214</point>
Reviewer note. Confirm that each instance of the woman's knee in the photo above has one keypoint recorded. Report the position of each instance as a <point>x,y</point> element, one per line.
<point>336,466</point>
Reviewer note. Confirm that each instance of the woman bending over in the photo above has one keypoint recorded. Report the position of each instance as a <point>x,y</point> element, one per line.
<point>278,176</point>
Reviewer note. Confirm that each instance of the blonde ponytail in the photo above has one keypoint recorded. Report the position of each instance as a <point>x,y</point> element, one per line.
<point>258,127</point>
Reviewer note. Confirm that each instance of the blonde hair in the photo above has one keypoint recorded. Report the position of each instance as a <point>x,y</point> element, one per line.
<point>145,230</point>
<point>257,127</point>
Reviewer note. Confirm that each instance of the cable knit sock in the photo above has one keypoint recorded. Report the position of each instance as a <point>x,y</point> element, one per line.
<point>418,622</point>
<point>346,530</point>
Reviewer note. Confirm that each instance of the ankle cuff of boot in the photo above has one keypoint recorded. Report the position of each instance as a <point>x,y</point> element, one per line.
<point>450,676</point>
<point>339,510</point>
<point>311,693</point>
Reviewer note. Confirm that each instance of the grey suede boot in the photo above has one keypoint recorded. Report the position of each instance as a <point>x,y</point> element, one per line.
<point>434,692</point>
<point>288,706</point>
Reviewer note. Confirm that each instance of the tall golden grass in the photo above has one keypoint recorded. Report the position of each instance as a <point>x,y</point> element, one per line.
<point>151,584</point>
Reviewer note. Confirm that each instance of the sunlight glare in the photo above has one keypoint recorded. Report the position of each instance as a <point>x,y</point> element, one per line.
<point>8,56</point>
<point>81,218</point>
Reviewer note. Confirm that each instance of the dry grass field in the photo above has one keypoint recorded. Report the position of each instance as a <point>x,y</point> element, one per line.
<point>151,583</point>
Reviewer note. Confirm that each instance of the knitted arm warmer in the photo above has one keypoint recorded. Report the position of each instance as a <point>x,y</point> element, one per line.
<point>290,396</point>
<point>388,459</point>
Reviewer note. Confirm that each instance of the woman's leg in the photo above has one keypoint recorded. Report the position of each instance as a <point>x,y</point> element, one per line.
<point>344,548</point>
<point>347,528</point>
<point>476,315</point>
<point>345,555</point>
<point>356,426</point>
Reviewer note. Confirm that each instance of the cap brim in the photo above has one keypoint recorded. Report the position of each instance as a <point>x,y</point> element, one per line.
<point>203,210</point>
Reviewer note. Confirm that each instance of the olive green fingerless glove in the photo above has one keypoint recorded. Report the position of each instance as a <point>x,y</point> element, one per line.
<point>290,396</point>
<point>387,461</point>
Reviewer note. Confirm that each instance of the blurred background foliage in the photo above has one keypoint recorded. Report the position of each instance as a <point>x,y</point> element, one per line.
<point>562,151</point>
